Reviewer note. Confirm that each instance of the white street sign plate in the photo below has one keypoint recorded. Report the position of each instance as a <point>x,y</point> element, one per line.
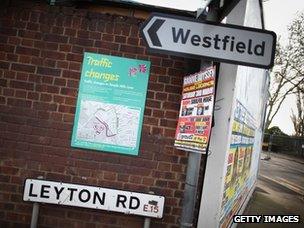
<point>76,195</point>
<point>220,42</point>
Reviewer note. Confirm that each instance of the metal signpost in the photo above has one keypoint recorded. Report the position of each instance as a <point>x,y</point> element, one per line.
<point>214,41</point>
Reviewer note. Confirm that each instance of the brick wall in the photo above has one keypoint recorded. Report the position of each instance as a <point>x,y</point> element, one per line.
<point>41,50</point>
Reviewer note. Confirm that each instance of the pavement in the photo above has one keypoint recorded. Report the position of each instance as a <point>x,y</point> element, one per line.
<point>279,191</point>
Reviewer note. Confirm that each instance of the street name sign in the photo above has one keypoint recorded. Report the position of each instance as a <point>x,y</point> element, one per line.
<point>76,195</point>
<point>214,41</point>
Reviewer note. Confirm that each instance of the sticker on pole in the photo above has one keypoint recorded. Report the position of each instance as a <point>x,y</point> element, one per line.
<point>76,195</point>
<point>214,41</point>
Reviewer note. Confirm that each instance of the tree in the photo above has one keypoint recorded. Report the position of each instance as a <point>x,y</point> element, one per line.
<point>297,50</point>
<point>298,120</point>
<point>287,73</point>
<point>275,130</point>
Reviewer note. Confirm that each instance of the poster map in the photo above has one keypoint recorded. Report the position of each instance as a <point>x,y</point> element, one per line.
<point>110,104</point>
<point>108,123</point>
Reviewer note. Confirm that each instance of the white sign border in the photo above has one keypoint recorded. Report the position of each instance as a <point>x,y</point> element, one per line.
<point>186,55</point>
<point>93,186</point>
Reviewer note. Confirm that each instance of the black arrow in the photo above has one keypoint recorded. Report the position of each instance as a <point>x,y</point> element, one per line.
<point>153,30</point>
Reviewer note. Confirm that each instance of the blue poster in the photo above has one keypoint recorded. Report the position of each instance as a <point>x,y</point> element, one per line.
<point>110,104</point>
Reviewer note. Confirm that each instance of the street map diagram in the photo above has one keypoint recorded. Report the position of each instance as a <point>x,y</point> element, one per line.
<point>108,123</point>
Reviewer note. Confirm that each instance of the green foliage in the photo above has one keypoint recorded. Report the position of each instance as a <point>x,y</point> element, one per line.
<point>275,130</point>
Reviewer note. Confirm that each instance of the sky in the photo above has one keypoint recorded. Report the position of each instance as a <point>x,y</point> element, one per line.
<point>278,15</point>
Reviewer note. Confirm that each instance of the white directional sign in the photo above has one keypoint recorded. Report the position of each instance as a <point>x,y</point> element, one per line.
<point>93,197</point>
<point>220,42</point>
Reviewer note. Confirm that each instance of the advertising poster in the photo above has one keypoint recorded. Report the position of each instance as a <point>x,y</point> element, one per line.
<point>110,104</point>
<point>237,179</point>
<point>195,117</point>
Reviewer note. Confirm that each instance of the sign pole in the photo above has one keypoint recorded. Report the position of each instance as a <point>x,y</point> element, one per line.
<point>194,162</point>
<point>35,212</point>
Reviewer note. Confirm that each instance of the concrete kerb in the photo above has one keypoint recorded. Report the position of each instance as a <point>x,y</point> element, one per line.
<point>284,183</point>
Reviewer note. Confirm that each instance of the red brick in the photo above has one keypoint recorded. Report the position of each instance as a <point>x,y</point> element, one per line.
<point>68,92</point>
<point>53,55</point>
<point>95,35</point>
<point>57,30</point>
<point>171,114</point>
<point>8,31</point>
<point>157,131</point>
<point>161,96</point>
<point>65,47</point>
<point>44,106</point>
<point>21,85</point>
<point>71,74</point>
<point>120,39</point>
<point>47,79</point>
<point>158,113</point>
<point>60,81</point>
<point>168,123</point>
<point>131,49</point>
<point>106,45</point>
<point>3,82</point>
<point>45,97</point>
<point>23,67</point>
<point>55,38</point>
<point>30,34</point>
<point>66,109</point>
<point>169,133</point>
<point>11,57</point>
<point>74,57</point>
<point>74,66</point>
<point>25,59</point>
<point>4,65</point>
<point>153,103</point>
<point>150,121</point>
<point>58,177</point>
<point>21,76</point>
<point>59,99</point>
<point>82,42</point>
<point>20,94</point>
<point>156,87</point>
<point>32,26</point>
<point>158,70</point>
<point>48,71</point>
<point>8,170</point>
<point>19,102</point>
<point>171,106</point>
<point>27,51</point>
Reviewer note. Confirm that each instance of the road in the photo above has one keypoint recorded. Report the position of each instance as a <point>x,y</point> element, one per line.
<point>280,190</point>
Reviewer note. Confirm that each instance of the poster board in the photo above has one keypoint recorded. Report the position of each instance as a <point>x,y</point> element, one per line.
<point>238,178</point>
<point>110,104</point>
<point>195,116</point>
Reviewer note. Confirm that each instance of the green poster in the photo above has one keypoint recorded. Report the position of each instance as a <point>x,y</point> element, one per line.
<point>110,104</point>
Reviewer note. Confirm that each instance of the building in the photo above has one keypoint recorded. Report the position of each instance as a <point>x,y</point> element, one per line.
<point>41,57</point>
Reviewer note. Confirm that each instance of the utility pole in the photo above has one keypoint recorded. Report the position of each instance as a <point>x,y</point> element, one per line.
<point>194,159</point>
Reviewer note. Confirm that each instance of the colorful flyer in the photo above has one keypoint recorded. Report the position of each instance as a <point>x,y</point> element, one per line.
<point>237,179</point>
<point>195,117</point>
<point>110,104</point>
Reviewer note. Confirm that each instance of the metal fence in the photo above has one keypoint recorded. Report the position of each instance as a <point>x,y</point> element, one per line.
<point>284,144</point>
